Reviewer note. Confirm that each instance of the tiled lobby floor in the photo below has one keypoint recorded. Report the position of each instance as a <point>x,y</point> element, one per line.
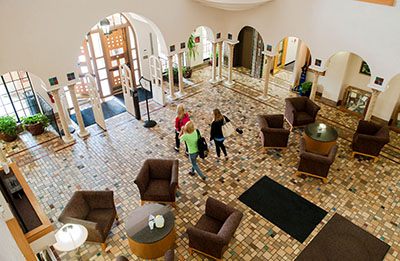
<point>367,193</point>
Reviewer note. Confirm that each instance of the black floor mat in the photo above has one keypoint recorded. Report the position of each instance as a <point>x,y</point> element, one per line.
<point>293,214</point>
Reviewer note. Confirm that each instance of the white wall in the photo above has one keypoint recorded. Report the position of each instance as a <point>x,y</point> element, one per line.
<point>142,30</point>
<point>291,49</point>
<point>333,82</point>
<point>199,48</point>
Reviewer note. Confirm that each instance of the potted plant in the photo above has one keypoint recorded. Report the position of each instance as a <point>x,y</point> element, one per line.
<point>192,48</point>
<point>8,128</point>
<point>35,124</point>
<point>174,73</point>
<point>211,59</point>
<point>305,89</point>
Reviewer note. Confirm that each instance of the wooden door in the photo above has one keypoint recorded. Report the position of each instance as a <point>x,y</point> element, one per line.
<point>116,53</point>
<point>281,57</point>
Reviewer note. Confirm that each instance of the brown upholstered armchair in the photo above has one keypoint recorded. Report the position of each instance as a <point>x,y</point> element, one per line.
<point>213,232</point>
<point>369,139</point>
<point>94,210</point>
<point>273,135</point>
<point>315,164</point>
<point>300,111</point>
<point>158,180</point>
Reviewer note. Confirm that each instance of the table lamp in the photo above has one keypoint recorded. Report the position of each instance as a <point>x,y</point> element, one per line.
<point>70,237</point>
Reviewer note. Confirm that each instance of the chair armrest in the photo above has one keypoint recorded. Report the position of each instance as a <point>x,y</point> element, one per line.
<point>174,177</point>
<point>143,178</point>
<point>230,225</point>
<point>332,153</point>
<point>262,122</point>
<point>302,145</point>
<point>370,138</point>
<point>312,108</point>
<point>86,223</point>
<point>290,111</point>
<point>198,235</point>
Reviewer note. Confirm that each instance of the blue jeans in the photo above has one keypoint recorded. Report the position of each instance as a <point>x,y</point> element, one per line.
<point>192,158</point>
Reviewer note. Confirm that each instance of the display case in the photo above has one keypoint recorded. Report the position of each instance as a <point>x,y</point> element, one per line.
<point>396,120</point>
<point>355,101</point>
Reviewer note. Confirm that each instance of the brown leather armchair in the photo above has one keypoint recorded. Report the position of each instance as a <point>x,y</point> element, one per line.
<point>213,232</point>
<point>369,139</point>
<point>158,181</point>
<point>300,111</point>
<point>94,210</point>
<point>315,164</point>
<point>273,135</point>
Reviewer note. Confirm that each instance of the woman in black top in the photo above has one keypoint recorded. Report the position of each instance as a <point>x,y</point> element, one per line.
<point>216,132</point>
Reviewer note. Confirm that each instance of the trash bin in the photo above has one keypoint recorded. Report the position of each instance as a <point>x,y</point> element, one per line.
<point>32,104</point>
<point>135,97</point>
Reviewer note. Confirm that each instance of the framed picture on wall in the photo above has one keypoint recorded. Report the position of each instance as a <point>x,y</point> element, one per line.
<point>365,69</point>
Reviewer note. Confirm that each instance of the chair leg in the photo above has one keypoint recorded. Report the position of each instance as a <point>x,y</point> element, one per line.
<point>117,217</point>
<point>103,246</point>
<point>375,159</point>
<point>173,204</point>
<point>190,250</point>
<point>141,203</point>
<point>264,149</point>
<point>297,173</point>
<point>352,154</point>
<point>324,180</point>
<point>284,150</point>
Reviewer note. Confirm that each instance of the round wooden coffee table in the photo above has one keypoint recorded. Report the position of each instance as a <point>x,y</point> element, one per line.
<point>147,243</point>
<point>320,137</point>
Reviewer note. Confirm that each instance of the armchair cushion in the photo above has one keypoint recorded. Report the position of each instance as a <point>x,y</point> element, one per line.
<point>209,224</point>
<point>157,190</point>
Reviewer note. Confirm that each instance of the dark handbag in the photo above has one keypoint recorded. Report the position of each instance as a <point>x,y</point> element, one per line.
<point>202,145</point>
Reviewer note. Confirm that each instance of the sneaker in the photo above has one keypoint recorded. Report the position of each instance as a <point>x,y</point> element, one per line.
<point>191,173</point>
<point>176,149</point>
<point>226,157</point>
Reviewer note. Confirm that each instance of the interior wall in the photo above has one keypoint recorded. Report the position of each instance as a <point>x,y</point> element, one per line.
<point>332,84</point>
<point>143,30</point>
<point>387,102</point>
<point>291,49</point>
<point>199,47</point>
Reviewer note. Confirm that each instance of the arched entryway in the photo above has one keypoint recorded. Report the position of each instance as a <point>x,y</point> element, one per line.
<point>292,61</point>
<point>248,52</point>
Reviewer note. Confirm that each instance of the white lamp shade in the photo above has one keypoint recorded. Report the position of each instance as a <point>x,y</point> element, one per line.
<point>70,237</point>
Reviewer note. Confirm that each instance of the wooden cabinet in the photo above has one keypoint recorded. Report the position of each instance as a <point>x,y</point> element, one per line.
<point>355,101</point>
<point>396,120</point>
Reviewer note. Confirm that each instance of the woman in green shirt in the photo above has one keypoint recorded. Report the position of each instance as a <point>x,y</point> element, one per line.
<point>190,136</point>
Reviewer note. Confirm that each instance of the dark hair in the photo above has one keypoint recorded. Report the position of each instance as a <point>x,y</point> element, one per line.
<point>217,115</point>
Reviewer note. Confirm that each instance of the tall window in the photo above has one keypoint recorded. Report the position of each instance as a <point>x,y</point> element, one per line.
<point>16,95</point>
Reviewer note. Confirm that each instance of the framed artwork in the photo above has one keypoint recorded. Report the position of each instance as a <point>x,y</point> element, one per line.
<point>365,68</point>
<point>71,76</point>
<point>218,35</point>
<point>318,62</point>
<point>197,39</point>
<point>183,45</point>
<point>53,81</point>
<point>269,48</point>
<point>172,48</point>
<point>378,81</point>
<point>230,36</point>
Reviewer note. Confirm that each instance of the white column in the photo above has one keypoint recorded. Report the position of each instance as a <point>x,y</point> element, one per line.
<point>267,72</point>
<point>298,63</point>
<point>230,63</point>
<point>220,78</point>
<point>171,79</point>
<point>214,63</point>
<point>314,85</point>
<point>67,138</point>
<point>180,74</point>
<point>371,106</point>
<point>82,130</point>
